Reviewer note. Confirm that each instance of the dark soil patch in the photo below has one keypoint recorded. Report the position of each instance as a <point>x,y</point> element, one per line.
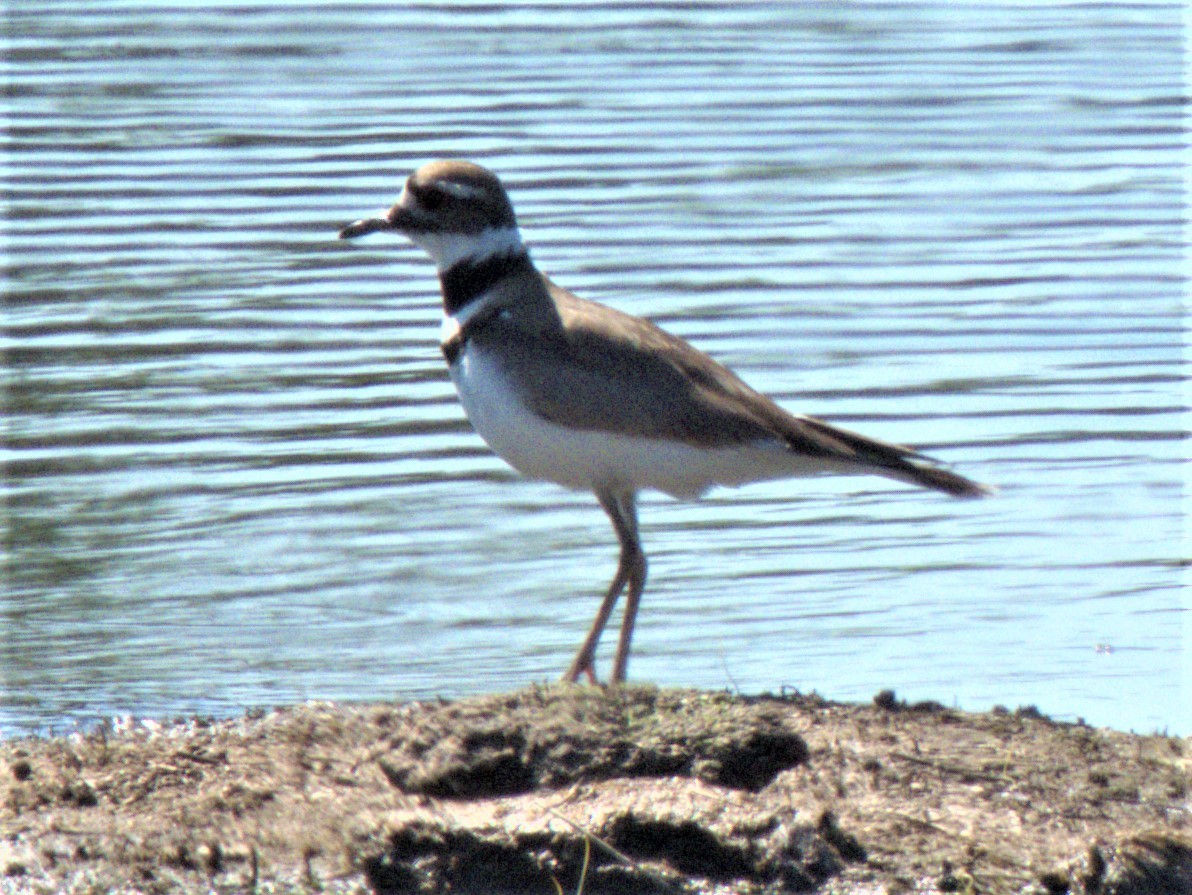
<point>554,737</point>
<point>662,791</point>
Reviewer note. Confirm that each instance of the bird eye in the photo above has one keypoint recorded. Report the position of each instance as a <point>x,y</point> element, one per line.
<point>429,197</point>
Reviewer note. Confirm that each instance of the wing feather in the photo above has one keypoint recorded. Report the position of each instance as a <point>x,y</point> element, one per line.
<point>613,372</point>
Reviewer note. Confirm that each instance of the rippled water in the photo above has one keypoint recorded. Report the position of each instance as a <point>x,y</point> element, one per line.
<point>235,470</point>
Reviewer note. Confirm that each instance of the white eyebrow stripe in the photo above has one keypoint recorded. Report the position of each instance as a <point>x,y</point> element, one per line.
<point>460,190</point>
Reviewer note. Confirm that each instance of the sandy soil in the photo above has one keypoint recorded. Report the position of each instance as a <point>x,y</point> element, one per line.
<point>658,790</point>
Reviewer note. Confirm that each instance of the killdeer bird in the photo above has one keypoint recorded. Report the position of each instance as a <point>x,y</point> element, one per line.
<point>577,393</point>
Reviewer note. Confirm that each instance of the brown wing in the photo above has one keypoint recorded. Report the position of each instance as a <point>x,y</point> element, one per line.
<point>614,372</point>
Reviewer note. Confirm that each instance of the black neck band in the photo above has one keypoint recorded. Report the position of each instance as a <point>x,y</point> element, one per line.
<point>467,280</point>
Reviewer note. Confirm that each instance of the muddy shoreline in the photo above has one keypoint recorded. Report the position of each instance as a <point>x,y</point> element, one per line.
<point>655,790</point>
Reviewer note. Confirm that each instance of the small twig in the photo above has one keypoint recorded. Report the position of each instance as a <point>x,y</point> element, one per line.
<point>921,824</point>
<point>656,877</point>
<point>197,757</point>
<point>951,768</point>
<point>256,870</point>
<point>583,872</point>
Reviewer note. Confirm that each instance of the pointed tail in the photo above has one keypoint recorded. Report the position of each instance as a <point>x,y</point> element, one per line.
<point>809,435</point>
<point>943,480</point>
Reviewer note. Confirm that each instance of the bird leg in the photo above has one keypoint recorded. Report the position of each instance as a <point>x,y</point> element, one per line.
<point>631,569</point>
<point>633,560</point>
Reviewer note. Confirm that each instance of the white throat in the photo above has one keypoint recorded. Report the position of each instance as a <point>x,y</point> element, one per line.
<point>448,249</point>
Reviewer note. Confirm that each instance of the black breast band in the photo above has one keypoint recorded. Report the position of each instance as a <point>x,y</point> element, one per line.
<point>467,280</point>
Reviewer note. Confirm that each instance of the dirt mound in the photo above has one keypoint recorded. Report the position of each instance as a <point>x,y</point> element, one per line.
<point>548,738</point>
<point>632,790</point>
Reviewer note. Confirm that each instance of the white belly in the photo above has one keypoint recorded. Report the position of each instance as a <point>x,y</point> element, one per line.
<point>590,459</point>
